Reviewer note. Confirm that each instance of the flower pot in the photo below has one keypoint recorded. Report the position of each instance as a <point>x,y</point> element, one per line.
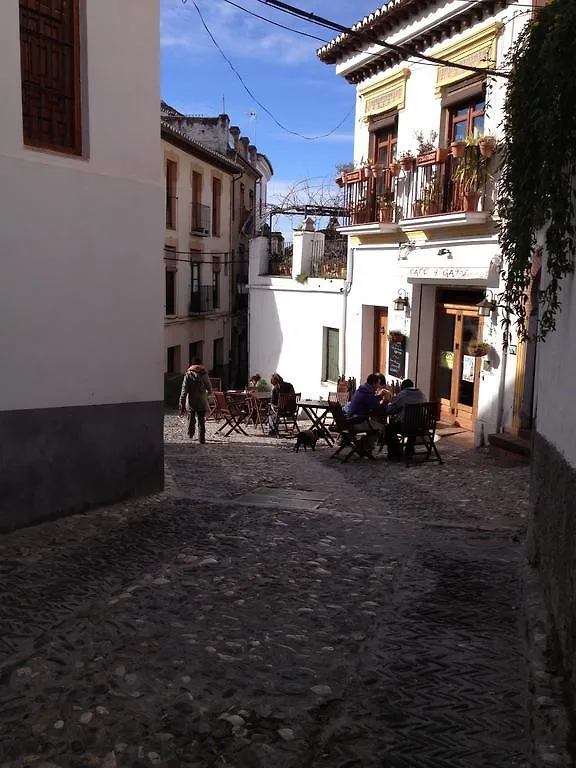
<point>339,181</point>
<point>394,168</point>
<point>487,146</point>
<point>458,149</point>
<point>429,209</point>
<point>470,201</point>
<point>378,171</point>
<point>407,164</point>
<point>386,215</point>
<point>417,209</point>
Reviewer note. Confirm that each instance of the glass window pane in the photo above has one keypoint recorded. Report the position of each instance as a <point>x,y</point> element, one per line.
<point>479,106</point>
<point>446,327</point>
<point>460,112</point>
<point>459,131</point>
<point>478,125</point>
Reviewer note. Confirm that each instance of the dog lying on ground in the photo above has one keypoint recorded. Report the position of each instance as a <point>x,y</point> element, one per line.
<point>307,438</point>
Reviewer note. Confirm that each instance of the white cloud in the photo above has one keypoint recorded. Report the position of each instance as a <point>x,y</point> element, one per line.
<point>240,35</point>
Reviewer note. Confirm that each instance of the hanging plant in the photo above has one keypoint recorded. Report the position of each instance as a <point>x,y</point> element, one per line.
<point>539,151</point>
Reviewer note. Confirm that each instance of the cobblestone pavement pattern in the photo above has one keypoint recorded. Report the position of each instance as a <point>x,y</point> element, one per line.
<point>374,625</point>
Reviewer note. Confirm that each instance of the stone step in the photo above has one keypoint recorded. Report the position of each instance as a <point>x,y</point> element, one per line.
<point>512,445</point>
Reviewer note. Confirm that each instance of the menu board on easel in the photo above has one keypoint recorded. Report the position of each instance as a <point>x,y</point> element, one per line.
<point>397,359</point>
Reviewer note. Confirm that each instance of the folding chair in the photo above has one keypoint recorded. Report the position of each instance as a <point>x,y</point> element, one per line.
<point>287,424</point>
<point>259,411</point>
<point>341,397</point>
<point>233,412</point>
<point>355,441</point>
<point>419,422</point>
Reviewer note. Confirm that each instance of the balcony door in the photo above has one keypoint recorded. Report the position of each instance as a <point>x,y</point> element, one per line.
<point>457,373</point>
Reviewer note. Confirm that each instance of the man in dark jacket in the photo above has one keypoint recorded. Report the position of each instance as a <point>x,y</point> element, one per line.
<point>195,388</point>
<point>279,387</point>
<point>408,394</point>
<point>366,403</point>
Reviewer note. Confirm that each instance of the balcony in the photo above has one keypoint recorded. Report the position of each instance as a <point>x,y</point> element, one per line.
<point>329,259</point>
<point>200,220</point>
<point>171,206</point>
<point>204,300</point>
<point>424,194</point>
<point>279,258</point>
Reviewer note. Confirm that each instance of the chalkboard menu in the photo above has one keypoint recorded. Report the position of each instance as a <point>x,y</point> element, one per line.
<point>397,359</point>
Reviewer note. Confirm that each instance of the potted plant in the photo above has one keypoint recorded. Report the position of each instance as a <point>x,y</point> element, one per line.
<point>378,170</point>
<point>487,146</point>
<point>471,175</point>
<point>431,195</point>
<point>395,337</point>
<point>386,207</point>
<point>394,168</point>
<point>479,348</point>
<point>407,161</point>
<point>417,208</point>
<point>458,149</point>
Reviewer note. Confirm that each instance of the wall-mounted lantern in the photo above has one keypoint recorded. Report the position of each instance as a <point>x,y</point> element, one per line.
<point>401,301</point>
<point>487,305</point>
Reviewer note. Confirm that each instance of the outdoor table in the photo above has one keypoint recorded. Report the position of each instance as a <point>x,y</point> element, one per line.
<point>317,411</point>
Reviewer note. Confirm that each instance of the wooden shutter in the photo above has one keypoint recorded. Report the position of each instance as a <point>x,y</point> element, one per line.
<point>50,69</point>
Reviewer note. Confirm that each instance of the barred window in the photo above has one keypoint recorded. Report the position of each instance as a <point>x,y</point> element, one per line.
<point>50,62</point>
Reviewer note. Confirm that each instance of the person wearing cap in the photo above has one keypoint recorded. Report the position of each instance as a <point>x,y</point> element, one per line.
<point>408,395</point>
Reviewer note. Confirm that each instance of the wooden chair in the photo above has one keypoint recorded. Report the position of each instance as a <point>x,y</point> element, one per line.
<point>419,422</point>
<point>259,406</point>
<point>354,441</point>
<point>213,413</point>
<point>233,412</point>
<point>341,397</point>
<point>287,424</point>
<point>216,384</point>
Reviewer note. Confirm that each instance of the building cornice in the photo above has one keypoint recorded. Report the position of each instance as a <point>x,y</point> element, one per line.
<point>192,147</point>
<point>389,20</point>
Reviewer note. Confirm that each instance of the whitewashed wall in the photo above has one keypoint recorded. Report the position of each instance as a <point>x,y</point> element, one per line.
<point>555,377</point>
<point>286,324</point>
<point>82,288</point>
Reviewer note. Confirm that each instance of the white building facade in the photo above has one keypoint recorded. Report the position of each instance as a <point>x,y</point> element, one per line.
<point>81,297</point>
<point>423,231</point>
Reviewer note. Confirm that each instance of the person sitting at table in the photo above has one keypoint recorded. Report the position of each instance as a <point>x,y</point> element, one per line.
<point>279,387</point>
<point>408,394</point>
<point>382,389</point>
<point>368,412</point>
<point>259,384</point>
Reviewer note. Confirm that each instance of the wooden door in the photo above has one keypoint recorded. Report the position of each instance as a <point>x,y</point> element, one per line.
<point>457,372</point>
<point>380,339</point>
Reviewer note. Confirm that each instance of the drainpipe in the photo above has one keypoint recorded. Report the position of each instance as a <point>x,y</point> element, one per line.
<point>502,382</point>
<point>345,291</point>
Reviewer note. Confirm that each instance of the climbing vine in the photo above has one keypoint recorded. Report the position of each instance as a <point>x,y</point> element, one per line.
<point>537,188</point>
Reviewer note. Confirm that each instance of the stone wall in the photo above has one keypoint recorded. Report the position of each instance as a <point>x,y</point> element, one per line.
<point>552,542</point>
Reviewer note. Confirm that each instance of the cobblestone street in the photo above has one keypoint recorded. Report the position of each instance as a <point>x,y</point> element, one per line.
<point>273,609</point>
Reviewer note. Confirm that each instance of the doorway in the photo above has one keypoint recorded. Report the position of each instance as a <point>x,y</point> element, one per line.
<point>380,339</point>
<point>457,371</point>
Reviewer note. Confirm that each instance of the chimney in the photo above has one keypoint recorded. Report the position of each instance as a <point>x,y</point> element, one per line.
<point>253,153</point>
<point>235,133</point>
<point>244,141</point>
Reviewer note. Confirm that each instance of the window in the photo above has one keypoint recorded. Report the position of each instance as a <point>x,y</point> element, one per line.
<point>218,353</point>
<point>171,179</point>
<point>216,282</point>
<point>331,354</point>
<point>170,291</point>
<point>466,119</point>
<point>216,206</point>
<point>50,72</point>
<point>194,351</point>
<point>173,360</point>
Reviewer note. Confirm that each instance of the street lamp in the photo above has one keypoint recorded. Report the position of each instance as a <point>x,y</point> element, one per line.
<point>487,305</point>
<point>401,301</point>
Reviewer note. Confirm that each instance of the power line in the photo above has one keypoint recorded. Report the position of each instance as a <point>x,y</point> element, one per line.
<point>255,99</point>
<point>372,37</point>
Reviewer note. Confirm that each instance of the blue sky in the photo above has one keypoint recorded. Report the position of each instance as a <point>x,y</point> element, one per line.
<point>282,70</point>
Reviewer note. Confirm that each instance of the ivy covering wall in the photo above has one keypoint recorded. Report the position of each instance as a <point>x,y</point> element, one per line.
<point>537,189</point>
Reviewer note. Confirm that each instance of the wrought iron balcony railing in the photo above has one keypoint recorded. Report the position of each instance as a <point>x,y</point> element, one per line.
<point>200,219</point>
<point>329,259</point>
<point>205,299</point>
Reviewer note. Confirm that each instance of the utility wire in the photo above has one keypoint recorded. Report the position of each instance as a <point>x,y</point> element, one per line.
<point>370,36</point>
<point>256,100</point>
